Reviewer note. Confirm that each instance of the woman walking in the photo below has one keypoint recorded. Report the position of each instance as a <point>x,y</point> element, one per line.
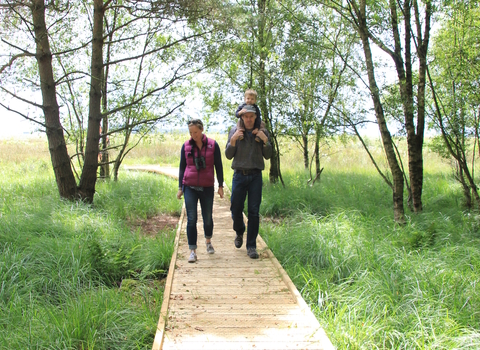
<point>198,158</point>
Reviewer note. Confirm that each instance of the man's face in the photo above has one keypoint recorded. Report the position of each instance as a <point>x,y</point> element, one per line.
<point>249,120</point>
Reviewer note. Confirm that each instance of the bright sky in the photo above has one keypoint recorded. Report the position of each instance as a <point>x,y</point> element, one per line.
<point>13,125</point>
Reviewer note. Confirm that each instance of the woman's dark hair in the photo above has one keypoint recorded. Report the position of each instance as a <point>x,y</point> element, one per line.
<point>197,122</point>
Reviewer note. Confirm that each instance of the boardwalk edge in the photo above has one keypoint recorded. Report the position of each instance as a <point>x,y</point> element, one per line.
<point>162,321</point>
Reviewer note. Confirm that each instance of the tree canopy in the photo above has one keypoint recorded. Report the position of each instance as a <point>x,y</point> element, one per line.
<point>88,73</point>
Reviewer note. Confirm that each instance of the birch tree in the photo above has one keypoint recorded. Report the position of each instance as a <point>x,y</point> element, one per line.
<point>455,104</point>
<point>55,50</point>
<point>378,23</point>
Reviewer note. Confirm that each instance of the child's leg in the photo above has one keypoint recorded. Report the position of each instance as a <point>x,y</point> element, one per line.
<point>258,123</point>
<point>261,127</point>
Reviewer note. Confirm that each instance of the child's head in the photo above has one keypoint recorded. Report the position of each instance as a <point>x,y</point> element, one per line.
<point>250,97</point>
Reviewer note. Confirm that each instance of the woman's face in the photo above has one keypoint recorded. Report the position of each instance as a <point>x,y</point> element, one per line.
<point>195,132</point>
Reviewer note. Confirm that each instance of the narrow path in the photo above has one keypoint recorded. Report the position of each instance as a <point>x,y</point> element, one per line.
<point>227,300</point>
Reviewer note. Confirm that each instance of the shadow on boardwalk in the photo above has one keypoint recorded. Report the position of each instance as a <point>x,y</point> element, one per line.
<point>227,300</point>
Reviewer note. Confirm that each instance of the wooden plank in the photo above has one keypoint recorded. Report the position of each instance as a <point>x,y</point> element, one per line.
<point>234,281</point>
<point>229,269</point>
<point>213,344</point>
<point>181,298</point>
<point>167,171</point>
<point>253,320</point>
<point>231,289</point>
<point>233,338</point>
<point>229,301</point>
<point>239,309</point>
<point>236,259</point>
<point>241,272</point>
<point>257,334</point>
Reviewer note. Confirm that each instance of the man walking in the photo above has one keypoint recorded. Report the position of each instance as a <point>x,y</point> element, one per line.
<point>248,163</point>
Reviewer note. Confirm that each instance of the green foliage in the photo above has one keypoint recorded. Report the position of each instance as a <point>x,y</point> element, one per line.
<point>373,284</point>
<point>61,263</point>
<point>145,196</point>
<point>348,189</point>
<point>78,276</point>
<point>110,265</point>
<point>422,239</point>
<point>454,72</point>
<point>437,145</point>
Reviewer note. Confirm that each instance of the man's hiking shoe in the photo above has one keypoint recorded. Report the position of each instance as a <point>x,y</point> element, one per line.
<point>210,249</point>
<point>252,253</point>
<point>192,258</point>
<point>239,241</point>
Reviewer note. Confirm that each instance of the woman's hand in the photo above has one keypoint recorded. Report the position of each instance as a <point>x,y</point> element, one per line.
<point>220,192</point>
<point>179,194</point>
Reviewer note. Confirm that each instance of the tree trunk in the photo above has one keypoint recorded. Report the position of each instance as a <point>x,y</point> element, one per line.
<point>305,150</point>
<point>415,136</point>
<point>463,164</point>
<point>64,177</point>
<point>121,154</point>
<point>405,77</point>
<point>397,174</point>
<point>105,142</point>
<point>274,160</point>
<point>416,162</point>
<point>105,158</point>
<point>467,193</point>
<point>317,150</point>
<point>415,166</point>
<point>89,173</point>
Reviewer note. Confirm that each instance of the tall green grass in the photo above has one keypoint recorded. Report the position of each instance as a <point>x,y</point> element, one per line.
<point>373,284</point>
<point>78,276</point>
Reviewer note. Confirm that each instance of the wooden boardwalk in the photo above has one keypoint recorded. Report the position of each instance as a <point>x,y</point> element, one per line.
<point>227,300</point>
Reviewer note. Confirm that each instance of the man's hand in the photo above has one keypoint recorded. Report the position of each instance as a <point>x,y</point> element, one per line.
<point>220,192</point>
<point>179,194</point>
<point>262,136</point>
<point>235,136</point>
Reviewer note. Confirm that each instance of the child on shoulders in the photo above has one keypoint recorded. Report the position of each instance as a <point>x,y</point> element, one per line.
<point>250,98</point>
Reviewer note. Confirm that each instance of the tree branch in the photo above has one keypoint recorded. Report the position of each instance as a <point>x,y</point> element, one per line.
<point>141,98</point>
<point>23,115</point>
<point>21,99</point>
<point>144,121</point>
<point>388,182</point>
<point>159,49</point>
